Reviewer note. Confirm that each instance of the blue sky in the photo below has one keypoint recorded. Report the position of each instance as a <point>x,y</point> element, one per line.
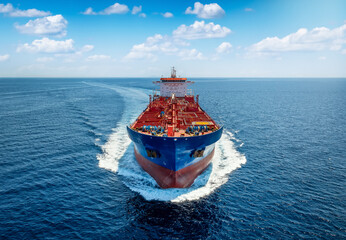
<point>267,38</point>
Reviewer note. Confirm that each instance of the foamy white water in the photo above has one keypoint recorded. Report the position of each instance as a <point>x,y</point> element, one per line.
<point>118,141</point>
<point>118,156</point>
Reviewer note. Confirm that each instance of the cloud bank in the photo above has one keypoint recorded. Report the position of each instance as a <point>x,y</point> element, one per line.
<point>46,45</point>
<point>199,30</point>
<point>116,8</point>
<point>166,45</point>
<point>176,44</point>
<point>317,39</point>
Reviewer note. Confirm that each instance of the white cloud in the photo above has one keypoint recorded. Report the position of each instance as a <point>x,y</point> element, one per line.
<point>199,30</point>
<point>146,49</point>
<point>224,47</point>
<point>317,39</point>
<point>191,54</point>
<point>175,45</point>
<point>116,8</point>
<point>89,11</point>
<point>86,48</point>
<point>8,8</point>
<point>322,58</point>
<point>98,58</point>
<point>206,11</point>
<point>75,55</point>
<point>143,15</point>
<point>51,26</point>
<point>248,10</point>
<point>29,13</point>
<point>140,55</point>
<point>154,45</point>
<point>136,9</point>
<point>44,59</point>
<point>167,15</point>
<point>46,45</point>
<point>343,51</point>
<point>4,57</point>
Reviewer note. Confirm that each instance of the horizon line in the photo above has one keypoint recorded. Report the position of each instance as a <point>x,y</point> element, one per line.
<point>188,77</point>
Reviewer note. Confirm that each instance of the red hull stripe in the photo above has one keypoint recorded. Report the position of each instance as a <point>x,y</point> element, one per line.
<point>167,178</point>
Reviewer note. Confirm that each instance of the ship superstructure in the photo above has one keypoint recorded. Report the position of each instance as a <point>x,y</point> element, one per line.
<point>174,137</point>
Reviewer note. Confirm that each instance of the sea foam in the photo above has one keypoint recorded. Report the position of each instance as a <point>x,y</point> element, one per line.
<point>118,141</point>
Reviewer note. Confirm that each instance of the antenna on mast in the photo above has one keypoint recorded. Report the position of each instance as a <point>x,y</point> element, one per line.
<point>173,73</point>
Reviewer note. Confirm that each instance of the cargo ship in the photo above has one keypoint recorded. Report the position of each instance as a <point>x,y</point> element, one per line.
<point>174,138</point>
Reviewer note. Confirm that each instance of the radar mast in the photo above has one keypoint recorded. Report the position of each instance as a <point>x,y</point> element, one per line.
<point>173,73</point>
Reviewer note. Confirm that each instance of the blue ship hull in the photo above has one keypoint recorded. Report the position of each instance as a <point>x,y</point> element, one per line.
<point>174,161</point>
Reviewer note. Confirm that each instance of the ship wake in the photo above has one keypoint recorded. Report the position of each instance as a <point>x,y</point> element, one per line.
<point>118,141</point>
<point>118,156</point>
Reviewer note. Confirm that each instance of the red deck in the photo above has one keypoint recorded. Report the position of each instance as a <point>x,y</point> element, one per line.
<point>173,79</point>
<point>174,115</point>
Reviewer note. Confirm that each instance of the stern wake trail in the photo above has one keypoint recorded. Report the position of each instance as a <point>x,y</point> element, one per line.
<point>118,157</point>
<point>118,141</point>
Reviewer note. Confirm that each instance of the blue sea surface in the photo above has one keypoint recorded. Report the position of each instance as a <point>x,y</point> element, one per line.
<point>67,169</point>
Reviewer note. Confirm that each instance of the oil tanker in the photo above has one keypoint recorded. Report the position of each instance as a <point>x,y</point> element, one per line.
<point>174,138</point>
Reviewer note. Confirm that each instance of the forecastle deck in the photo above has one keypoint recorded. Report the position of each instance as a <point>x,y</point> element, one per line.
<point>174,117</point>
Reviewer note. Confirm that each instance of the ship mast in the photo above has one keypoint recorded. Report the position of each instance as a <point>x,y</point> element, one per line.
<point>173,73</point>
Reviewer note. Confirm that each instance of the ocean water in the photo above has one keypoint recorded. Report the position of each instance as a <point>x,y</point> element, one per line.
<point>67,168</point>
